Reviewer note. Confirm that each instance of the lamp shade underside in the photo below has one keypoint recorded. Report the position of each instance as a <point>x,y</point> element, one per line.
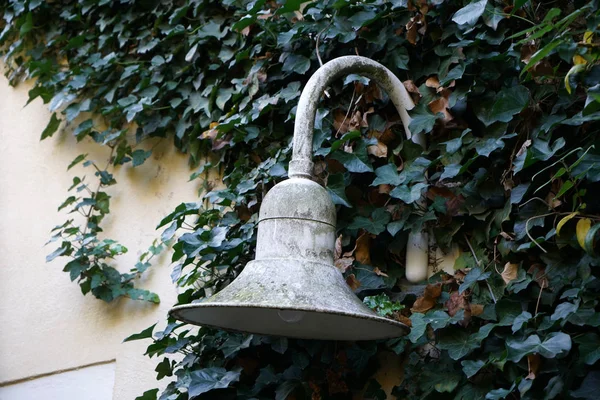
<point>270,297</point>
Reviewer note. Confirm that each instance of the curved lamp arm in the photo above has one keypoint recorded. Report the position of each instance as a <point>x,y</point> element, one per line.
<point>301,166</point>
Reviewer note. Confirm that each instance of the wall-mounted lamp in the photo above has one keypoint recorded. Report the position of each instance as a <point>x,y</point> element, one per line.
<point>292,288</point>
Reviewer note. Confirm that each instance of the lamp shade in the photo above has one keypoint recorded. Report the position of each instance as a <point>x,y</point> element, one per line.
<point>292,288</point>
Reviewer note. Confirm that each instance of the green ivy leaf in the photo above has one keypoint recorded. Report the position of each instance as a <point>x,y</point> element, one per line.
<point>145,334</point>
<point>564,311</point>
<point>285,389</point>
<point>357,162</point>
<point>589,347</point>
<point>27,26</point>
<point>418,327</point>
<point>475,275</point>
<point>387,175</point>
<point>556,343</point>
<point>470,368</point>
<point>51,127</point>
<point>502,107</point>
<point>422,120</point>
<point>520,320</point>
<point>139,156</point>
<point>208,379</point>
<point>235,343</point>
<point>457,342</point>
<point>336,187</point>
<point>148,395</point>
<point>589,387</point>
<point>296,63</point>
<point>375,224</point>
<point>407,194</point>
<point>469,14</point>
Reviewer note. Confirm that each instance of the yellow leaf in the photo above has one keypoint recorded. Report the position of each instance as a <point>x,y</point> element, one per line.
<point>578,60</point>
<point>588,36</point>
<point>583,226</point>
<point>574,69</point>
<point>563,221</point>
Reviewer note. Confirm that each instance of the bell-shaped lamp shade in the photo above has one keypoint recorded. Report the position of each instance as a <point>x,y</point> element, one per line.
<point>292,288</point>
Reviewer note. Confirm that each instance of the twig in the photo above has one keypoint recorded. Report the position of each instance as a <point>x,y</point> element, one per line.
<point>472,251</point>
<point>347,112</point>
<point>529,234</point>
<point>491,292</point>
<point>534,198</point>
<point>495,256</point>
<point>539,297</point>
<point>319,53</point>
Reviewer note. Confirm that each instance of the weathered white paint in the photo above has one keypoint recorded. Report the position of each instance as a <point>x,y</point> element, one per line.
<point>47,324</point>
<point>90,383</point>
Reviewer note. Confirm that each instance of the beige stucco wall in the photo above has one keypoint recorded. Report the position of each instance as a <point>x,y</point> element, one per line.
<point>47,325</point>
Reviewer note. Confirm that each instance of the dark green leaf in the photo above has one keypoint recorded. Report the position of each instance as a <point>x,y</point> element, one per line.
<point>409,195</point>
<point>51,127</point>
<point>475,275</point>
<point>375,224</point>
<point>145,334</point>
<point>337,189</point>
<point>589,387</point>
<point>139,156</point>
<point>469,14</point>
<point>470,368</point>
<point>457,342</point>
<point>503,106</point>
<point>148,395</point>
<point>387,175</point>
<point>208,379</point>
<point>589,347</point>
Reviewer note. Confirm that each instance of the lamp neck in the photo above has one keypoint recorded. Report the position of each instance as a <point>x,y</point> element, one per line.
<point>301,165</point>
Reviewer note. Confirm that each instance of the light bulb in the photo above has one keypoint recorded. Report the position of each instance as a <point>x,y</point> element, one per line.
<point>290,315</point>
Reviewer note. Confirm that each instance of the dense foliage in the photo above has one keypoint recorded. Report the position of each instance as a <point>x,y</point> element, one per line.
<point>508,95</point>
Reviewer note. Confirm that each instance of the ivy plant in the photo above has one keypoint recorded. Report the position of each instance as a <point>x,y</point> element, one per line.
<point>508,97</point>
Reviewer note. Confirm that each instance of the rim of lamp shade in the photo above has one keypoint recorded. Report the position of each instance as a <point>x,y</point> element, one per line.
<point>363,326</point>
<point>252,303</point>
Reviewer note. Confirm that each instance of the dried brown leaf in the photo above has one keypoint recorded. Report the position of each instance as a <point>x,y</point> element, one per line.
<point>411,87</point>
<point>428,300</point>
<point>372,93</point>
<point>432,82</point>
<point>335,382</point>
<point>440,105</point>
<point>533,361</point>
<point>338,248</point>
<point>455,303</point>
<point>385,188</point>
<point>352,282</point>
<point>510,272</point>
<point>539,274</point>
<point>362,251</point>
<point>378,150</point>
<point>524,147</point>
<point>343,263</point>
<point>527,50</point>
<point>476,309</point>
<point>401,318</point>
<point>411,31</point>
